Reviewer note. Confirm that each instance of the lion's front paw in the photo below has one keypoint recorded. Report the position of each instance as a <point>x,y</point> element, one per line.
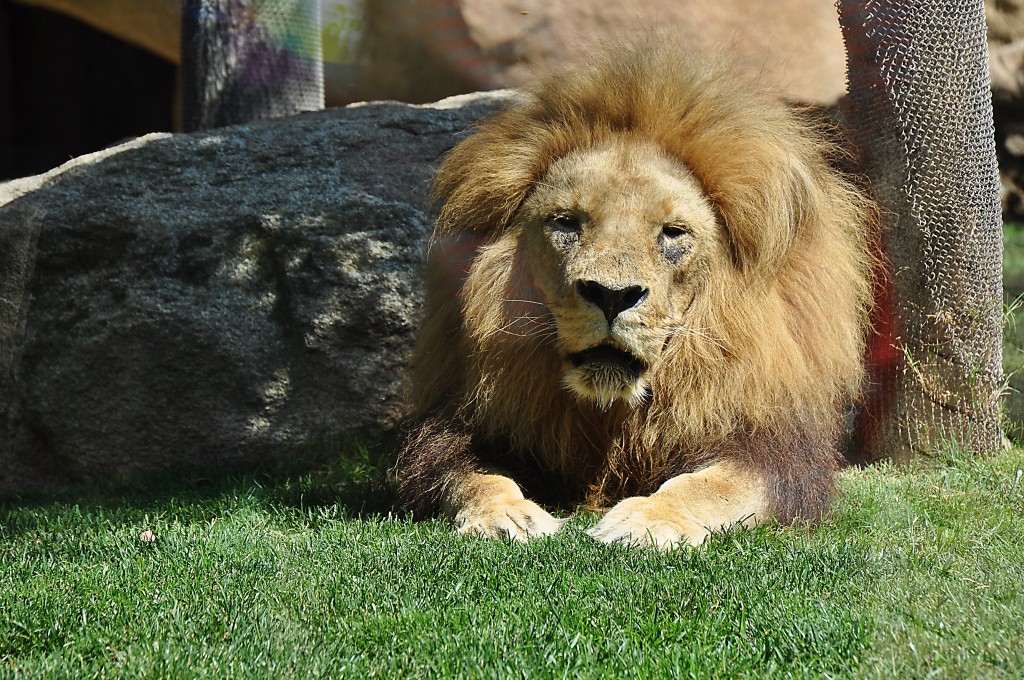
<point>651,522</point>
<point>518,519</point>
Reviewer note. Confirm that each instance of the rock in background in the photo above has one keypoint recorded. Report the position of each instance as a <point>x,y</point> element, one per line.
<point>215,298</point>
<point>1006,64</point>
<point>427,49</point>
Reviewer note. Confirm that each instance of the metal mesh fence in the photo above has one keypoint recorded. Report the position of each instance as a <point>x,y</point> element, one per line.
<point>244,60</point>
<point>920,111</point>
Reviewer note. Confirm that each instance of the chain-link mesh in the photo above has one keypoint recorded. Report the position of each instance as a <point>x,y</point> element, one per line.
<point>245,60</point>
<point>920,110</point>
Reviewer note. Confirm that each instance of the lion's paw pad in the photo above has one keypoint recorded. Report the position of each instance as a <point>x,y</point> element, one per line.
<point>648,522</point>
<point>516,519</point>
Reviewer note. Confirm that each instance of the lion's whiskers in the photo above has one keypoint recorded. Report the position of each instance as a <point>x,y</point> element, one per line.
<point>538,322</point>
<point>545,328</point>
<point>529,302</point>
<point>695,332</point>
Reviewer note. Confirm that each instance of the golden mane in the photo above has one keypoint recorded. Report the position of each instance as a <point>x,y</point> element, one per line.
<point>773,355</point>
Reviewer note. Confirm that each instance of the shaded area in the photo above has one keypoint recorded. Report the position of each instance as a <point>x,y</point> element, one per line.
<point>217,297</point>
<point>67,89</point>
<point>349,474</point>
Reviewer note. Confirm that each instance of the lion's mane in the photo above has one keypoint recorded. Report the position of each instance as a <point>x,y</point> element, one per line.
<point>775,359</point>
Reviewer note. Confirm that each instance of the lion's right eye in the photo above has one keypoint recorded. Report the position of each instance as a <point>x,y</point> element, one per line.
<point>565,221</point>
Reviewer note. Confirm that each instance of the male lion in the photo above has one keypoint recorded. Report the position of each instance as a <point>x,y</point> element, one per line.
<point>647,287</point>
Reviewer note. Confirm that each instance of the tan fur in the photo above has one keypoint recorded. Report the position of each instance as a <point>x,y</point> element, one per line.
<point>687,508</point>
<point>493,506</point>
<point>749,334</point>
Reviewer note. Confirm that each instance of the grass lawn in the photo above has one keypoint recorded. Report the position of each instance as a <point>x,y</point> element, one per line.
<point>919,573</point>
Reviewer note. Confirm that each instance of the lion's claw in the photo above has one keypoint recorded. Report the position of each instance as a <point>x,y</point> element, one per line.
<point>517,519</point>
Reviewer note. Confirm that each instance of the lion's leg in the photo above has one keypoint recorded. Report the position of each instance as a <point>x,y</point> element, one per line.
<point>687,508</point>
<point>439,469</point>
<point>493,506</point>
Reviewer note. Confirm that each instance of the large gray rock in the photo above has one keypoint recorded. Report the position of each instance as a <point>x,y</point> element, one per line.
<point>215,298</point>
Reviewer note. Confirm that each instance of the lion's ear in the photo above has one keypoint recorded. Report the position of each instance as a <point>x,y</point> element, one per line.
<point>768,189</point>
<point>482,182</point>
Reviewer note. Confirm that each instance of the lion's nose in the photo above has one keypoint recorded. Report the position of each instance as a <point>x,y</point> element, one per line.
<point>611,301</point>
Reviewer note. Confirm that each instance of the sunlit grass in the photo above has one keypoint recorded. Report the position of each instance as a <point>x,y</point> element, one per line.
<point>269,576</point>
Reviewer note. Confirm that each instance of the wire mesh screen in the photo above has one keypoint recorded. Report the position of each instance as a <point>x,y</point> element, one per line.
<point>920,110</point>
<point>245,60</point>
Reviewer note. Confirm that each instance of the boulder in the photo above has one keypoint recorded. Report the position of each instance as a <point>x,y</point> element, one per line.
<point>217,298</point>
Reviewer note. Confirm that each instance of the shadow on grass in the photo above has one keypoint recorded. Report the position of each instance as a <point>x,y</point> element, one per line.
<point>350,474</point>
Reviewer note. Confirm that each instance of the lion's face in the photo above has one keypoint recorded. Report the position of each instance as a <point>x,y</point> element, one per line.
<point>618,240</point>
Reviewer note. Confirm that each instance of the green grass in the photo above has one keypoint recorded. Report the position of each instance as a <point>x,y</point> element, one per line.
<point>918,574</point>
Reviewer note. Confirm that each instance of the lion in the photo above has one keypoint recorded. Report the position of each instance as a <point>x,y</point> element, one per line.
<point>647,290</point>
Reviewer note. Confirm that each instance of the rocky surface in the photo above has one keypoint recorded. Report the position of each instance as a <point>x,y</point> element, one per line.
<point>427,49</point>
<point>215,298</point>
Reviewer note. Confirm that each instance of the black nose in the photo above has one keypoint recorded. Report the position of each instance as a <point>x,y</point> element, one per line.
<point>611,301</point>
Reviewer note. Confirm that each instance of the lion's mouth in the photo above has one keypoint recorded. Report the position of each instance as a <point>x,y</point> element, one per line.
<point>611,356</point>
<point>605,373</point>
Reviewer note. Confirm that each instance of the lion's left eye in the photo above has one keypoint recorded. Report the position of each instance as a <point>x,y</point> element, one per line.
<point>673,230</point>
